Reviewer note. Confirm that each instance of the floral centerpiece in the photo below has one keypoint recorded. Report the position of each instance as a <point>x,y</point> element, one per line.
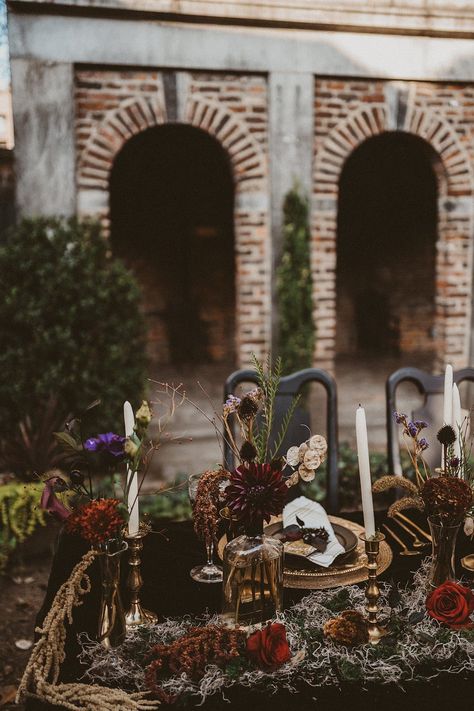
<point>445,495</point>
<point>256,491</point>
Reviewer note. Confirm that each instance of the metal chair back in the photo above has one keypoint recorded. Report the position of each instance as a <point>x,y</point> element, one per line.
<point>290,387</point>
<point>427,385</point>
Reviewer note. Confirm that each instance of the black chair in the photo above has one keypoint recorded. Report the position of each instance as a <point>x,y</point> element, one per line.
<point>290,387</point>
<point>427,385</point>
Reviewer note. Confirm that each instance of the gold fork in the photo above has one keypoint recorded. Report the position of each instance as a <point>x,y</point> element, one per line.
<point>416,541</point>
<point>414,525</point>
<point>405,550</point>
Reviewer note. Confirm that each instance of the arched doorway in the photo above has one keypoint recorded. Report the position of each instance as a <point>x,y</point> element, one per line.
<point>171,210</point>
<point>386,251</point>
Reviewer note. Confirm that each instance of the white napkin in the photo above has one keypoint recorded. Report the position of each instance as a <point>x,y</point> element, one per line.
<point>314,516</point>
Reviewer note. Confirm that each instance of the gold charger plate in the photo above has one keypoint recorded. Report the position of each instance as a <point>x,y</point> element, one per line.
<point>346,571</point>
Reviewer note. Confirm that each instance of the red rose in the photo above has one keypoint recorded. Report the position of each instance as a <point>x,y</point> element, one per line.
<point>269,647</point>
<point>452,604</point>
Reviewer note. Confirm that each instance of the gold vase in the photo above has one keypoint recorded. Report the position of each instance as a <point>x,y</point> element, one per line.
<point>111,627</point>
<point>443,549</point>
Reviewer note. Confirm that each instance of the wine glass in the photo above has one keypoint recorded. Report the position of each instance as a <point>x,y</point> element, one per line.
<point>209,572</point>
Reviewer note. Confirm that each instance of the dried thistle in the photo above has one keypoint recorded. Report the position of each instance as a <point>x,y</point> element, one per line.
<point>207,504</point>
<point>446,435</point>
<point>248,452</point>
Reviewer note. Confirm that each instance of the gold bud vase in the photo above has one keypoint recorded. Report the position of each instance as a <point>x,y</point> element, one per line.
<point>111,629</point>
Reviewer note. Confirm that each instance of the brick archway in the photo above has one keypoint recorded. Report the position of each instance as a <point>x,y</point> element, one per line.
<point>251,218</point>
<point>455,224</point>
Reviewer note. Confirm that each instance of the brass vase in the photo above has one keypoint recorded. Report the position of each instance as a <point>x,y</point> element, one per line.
<point>443,549</point>
<point>111,627</point>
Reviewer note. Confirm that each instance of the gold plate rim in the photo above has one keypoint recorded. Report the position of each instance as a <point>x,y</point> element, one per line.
<point>314,580</point>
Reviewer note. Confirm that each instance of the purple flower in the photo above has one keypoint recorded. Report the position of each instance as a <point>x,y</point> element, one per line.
<point>109,443</point>
<point>49,502</point>
<point>422,444</point>
<point>421,424</point>
<point>454,463</point>
<point>231,405</point>
<point>412,429</point>
<point>400,418</point>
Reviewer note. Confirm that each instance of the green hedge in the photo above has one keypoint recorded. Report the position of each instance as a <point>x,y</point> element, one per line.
<point>295,287</point>
<point>70,324</point>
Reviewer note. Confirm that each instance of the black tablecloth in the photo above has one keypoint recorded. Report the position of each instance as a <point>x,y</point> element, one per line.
<point>168,557</point>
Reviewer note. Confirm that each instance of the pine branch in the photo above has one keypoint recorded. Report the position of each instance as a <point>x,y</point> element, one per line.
<point>284,426</point>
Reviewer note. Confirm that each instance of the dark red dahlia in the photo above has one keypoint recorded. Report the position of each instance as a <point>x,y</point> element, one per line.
<point>256,492</point>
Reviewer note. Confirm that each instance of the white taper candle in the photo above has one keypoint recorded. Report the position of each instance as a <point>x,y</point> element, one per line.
<point>448,396</point>
<point>132,479</point>
<point>364,472</point>
<point>447,402</point>
<point>457,420</point>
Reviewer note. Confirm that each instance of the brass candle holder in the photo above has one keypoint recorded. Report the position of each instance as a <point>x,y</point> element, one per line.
<point>372,590</point>
<point>136,614</point>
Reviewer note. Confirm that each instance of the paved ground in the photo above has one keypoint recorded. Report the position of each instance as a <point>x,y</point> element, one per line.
<point>361,381</point>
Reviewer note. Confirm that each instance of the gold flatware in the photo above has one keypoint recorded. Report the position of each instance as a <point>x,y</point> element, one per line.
<point>416,541</point>
<point>468,562</point>
<point>405,550</point>
<point>414,525</point>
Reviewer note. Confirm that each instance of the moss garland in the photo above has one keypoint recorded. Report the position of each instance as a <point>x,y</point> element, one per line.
<point>418,649</point>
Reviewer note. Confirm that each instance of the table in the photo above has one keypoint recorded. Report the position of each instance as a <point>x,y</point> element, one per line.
<point>169,553</point>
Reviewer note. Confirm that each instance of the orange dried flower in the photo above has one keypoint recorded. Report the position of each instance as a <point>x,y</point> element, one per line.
<point>97,521</point>
<point>349,629</point>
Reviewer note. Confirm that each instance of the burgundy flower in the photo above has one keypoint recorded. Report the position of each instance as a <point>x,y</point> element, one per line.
<point>97,521</point>
<point>256,492</point>
<point>269,647</point>
<point>451,604</point>
<point>108,443</point>
<point>49,501</point>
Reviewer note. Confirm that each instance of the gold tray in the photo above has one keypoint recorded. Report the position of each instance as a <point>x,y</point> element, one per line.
<point>348,571</point>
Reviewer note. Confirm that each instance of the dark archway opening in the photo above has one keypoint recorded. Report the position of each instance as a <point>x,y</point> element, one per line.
<point>387,232</point>
<point>171,204</point>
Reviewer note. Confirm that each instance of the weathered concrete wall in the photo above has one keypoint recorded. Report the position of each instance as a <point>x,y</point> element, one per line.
<point>152,44</point>
<point>414,16</point>
<point>43,110</point>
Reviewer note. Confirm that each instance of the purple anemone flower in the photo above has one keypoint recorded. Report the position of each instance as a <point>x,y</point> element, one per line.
<point>49,501</point>
<point>108,443</point>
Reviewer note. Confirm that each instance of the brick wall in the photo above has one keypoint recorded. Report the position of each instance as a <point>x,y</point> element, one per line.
<point>112,106</point>
<point>347,112</point>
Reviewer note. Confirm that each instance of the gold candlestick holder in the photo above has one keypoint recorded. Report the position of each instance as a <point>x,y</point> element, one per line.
<point>136,614</point>
<point>372,590</point>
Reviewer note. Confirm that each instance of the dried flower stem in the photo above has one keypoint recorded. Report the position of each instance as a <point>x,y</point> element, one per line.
<point>40,678</point>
